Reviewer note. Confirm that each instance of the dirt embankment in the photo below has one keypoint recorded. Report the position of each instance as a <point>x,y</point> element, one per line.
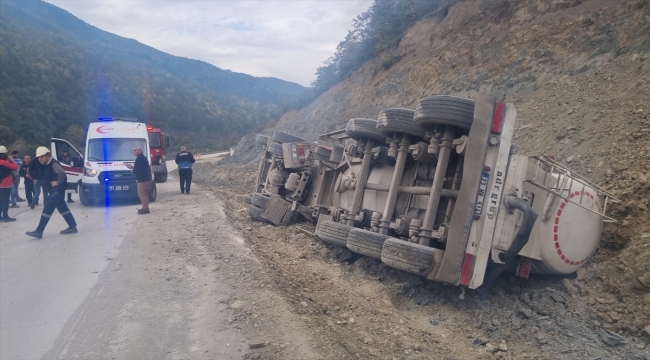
<point>367,310</point>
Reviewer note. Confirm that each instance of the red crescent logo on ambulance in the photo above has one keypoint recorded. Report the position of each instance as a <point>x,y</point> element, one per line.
<point>104,129</point>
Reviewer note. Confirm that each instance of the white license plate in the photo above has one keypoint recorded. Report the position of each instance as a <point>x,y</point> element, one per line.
<point>478,208</point>
<point>118,187</point>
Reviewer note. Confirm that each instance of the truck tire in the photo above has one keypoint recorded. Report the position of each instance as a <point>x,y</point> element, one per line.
<point>364,129</point>
<point>333,232</point>
<point>153,192</point>
<point>366,242</point>
<point>247,198</point>
<point>444,110</point>
<point>259,200</point>
<point>275,149</point>
<point>160,177</point>
<point>262,139</point>
<point>289,218</point>
<point>283,137</point>
<point>400,121</point>
<point>256,213</point>
<point>403,255</point>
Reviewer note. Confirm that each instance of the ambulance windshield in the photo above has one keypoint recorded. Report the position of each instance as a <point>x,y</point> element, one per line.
<point>114,149</point>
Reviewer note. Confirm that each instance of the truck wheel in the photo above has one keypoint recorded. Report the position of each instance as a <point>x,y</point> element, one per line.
<point>414,258</point>
<point>161,177</point>
<point>444,110</point>
<point>283,137</point>
<point>259,200</point>
<point>333,232</point>
<point>366,242</point>
<point>396,120</point>
<point>153,192</point>
<point>246,198</point>
<point>290,217</point>
<point>364,129</point>
<point>275,149</point>
<point>256,213</point>
<point>85,201</point>
<point>262,139</point>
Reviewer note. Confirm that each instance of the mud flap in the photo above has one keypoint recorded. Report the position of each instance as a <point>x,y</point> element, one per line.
<point>463,215</point>
<point>275,209</point>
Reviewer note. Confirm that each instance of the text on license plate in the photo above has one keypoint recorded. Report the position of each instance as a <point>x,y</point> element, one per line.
<point>118,187</point>
<point>478,208</point>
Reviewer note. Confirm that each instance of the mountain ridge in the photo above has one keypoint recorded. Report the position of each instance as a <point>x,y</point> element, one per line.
<point>60,72</point>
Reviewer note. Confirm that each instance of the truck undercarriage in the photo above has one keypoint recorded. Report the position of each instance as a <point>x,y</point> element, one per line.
<point>439,191</point>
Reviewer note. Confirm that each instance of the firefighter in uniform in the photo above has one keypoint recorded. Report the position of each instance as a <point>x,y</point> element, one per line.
<point>55,182</point>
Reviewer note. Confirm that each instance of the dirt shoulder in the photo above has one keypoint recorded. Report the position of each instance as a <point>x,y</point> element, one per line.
<point>185,286</point>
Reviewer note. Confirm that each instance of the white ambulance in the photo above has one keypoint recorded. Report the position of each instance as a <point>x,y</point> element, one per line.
<point>109,153</point>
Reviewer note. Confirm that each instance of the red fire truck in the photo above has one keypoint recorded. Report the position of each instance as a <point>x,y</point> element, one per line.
<point>158,141</point>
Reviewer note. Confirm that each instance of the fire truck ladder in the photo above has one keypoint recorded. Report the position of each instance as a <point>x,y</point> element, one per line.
<point>559,181</point>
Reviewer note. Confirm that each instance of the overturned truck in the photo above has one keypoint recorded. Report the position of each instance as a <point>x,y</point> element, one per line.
<point>439,191</point>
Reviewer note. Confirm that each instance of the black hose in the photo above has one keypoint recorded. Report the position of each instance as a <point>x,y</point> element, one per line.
<point>518,243</point>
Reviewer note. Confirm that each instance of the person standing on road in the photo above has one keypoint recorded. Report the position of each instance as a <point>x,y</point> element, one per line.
<point>56,182</point>
<point>14,196</point>
<point>23,172</point>
<point>185,159</point>
<point>7,167</point>
<point>142,172</point>
<point>37,173</point>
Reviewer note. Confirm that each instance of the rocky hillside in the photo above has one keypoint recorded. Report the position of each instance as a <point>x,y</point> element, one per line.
<point>579,74</point>
<point>481,45</point>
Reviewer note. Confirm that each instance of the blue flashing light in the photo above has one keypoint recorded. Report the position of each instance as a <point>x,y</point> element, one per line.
<point>102,119</point>
<point>107,180</point>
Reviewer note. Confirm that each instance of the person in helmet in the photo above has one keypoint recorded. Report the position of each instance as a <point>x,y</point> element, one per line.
<point>55,183</point>
<point>7,168</point>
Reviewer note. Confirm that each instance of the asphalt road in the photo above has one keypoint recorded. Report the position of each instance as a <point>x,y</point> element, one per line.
<point>43,282</point>
<point>50,288</point>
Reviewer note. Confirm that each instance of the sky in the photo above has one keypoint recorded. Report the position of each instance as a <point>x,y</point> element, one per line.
<point>286,39</point>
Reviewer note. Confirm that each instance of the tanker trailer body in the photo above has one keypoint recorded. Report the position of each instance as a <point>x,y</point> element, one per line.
<point>439,191</point>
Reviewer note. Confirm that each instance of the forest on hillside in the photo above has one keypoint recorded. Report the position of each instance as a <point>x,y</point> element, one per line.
<point>376,31</point>
<point>59,73</point>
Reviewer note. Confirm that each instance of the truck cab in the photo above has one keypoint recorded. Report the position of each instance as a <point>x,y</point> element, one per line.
<point>158,142</point>
<point>109,152</point>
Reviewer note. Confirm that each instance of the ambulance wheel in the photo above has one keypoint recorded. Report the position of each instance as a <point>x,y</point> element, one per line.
<point>153,192</point>
<point>85,201</point>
